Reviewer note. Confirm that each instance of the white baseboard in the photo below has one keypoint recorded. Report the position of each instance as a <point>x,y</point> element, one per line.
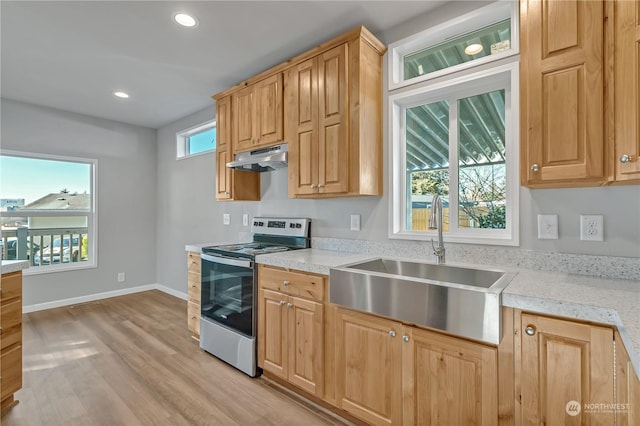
<point>98,296</point>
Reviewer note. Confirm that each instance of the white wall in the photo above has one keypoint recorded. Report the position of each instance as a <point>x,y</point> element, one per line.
<point>126,187</point>
<point>188,212</point>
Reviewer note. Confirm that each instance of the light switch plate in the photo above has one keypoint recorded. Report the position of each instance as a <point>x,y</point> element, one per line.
<point>226,219</point>
<point>547,226</point>
<point>355,222</point>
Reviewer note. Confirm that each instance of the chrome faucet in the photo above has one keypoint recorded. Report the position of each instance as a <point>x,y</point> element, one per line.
<point>435,222</point>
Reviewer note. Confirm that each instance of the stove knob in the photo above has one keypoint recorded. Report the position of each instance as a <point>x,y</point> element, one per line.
<point>298,225</point>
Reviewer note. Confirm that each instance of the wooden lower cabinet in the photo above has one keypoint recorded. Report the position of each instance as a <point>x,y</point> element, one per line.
<point>562,366</point>
<point>369,367</point>
<point>10,338</point>
<point>447,380</point>
<point>389,373</point>
<point>291,327</point>
<point>627,388</point>
<point>193,293</point>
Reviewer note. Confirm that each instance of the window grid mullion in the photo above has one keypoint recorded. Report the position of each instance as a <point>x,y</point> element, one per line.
<point>453,166</point>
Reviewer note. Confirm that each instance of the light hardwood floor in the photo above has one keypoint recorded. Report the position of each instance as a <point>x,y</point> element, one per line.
<point>130,360</point>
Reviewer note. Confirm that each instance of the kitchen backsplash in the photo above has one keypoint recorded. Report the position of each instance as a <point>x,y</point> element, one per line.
<point>599,266</point>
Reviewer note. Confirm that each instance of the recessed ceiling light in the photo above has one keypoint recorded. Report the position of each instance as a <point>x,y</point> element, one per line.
<point>122,95</point>
<point>473,49</point>
<point>185,20</point>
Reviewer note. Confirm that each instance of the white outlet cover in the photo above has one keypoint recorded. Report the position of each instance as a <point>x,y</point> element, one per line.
<point>245,219</point>
<point>591,227</point>
<point>226,219</point>
<point>547,226</point>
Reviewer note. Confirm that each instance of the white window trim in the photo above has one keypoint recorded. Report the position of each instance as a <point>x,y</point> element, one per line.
<point>92,216</point>
<point>471,84</point>
<point>182,140</point>
<point>469,22</point>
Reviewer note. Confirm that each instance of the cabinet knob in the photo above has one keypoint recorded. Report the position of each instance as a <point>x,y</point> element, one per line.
<point>625,158</point>
<point>535,168</point>
<point>282,302</point>
<point>405,338</point>
<point>193,318</point>
<point>289,305</point>
<point>285,283</point>
<point>226,192</point>
<point>320,185</point>
<point>392,333</point>
<point>313,186</point>
<point>530,330</point>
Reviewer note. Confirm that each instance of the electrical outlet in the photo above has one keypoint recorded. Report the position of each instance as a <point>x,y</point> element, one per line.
<point>226,219</point>
<point>547,226</point>
<point>245,220</point>
<point>591,227</point>
<point>121,277</point>
<point>355,222</point>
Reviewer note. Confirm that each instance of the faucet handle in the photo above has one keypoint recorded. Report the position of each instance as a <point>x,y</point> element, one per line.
<point>433,246</point>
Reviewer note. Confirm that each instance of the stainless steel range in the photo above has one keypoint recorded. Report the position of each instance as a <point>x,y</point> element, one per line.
<point>229,288</point>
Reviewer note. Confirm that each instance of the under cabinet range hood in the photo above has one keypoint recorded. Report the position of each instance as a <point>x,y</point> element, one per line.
<point>262,160</point>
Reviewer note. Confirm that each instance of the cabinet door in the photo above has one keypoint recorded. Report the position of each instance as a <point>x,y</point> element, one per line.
<point>448,380</point>
<point>243,119</point>
<point>368,367</point>
<point>301,110</point>
<point>224,176</point>
<point>223,124</point>
<point>268,111</point>
<point>627,388</point>
<point>333,137</point>
<point>272,332</point>
<point>562,101</point>
<point>627,90</point>
<point>562,362</point>
<point>305,339</point>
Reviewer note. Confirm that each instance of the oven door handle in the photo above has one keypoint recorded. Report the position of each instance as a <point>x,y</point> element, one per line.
<point>227,260</point>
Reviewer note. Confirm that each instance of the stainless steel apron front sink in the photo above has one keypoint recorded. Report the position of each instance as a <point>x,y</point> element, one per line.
<point>458,300</point>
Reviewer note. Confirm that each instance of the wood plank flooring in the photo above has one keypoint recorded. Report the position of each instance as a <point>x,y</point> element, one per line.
<point>130,360</point>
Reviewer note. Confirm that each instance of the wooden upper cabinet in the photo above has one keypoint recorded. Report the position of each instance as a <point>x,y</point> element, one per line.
<point>333,113</point>
<point>562,92</point>
<point>560,362</point>
<point>231,184</point>
<point>317,116</point>
<point>258,114</point>
<point>627,90</point>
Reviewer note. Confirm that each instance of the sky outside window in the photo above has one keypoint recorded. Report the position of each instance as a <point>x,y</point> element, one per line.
<point>33,178</point>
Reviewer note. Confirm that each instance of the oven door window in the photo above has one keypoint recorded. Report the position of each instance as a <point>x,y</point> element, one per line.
<point>227,295</point>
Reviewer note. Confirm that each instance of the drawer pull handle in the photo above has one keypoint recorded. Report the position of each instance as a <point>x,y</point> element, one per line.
<point>282,302</point>
<point>392,333</point>
<point>285,283</point>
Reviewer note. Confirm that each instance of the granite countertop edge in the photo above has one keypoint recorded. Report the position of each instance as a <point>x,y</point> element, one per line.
<point>601,300</point>
<point>9,266</point>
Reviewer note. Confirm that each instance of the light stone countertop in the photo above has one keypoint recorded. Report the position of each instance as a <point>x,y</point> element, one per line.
<point>604,300</point>
<point>14,265</point>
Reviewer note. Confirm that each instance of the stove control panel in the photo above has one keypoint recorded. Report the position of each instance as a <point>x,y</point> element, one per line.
<point>297,227</point>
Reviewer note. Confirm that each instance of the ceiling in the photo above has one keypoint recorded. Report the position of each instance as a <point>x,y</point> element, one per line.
<point>73,55</point>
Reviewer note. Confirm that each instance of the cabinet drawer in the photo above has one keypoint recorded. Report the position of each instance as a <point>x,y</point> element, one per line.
<point>193,290</point>
<point>193,317</point>
<point>11,371</point>
<point>193,262</point>
<point>10,321</point>
<point>10,336</point>
<point>11,286</point>
<point>292,282</point>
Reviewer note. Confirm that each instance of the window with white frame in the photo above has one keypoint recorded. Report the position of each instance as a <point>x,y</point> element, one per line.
<point>457,137</point>
<point>196,140</point>
<point>47,211</point>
